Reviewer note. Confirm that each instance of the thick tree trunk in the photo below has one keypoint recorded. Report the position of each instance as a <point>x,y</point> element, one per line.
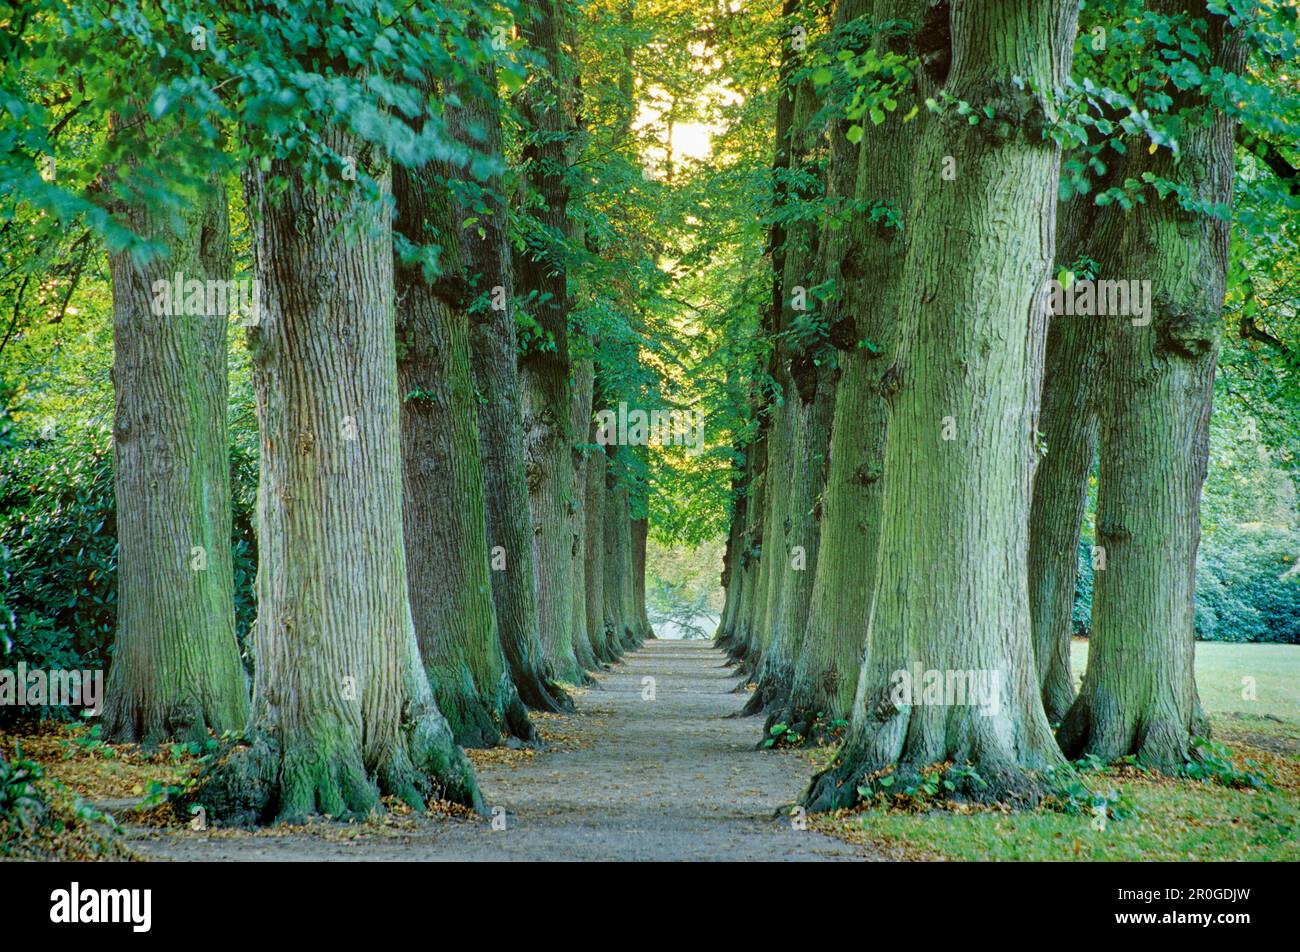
<point>1068,428</point>
<point>618,557</point>
<point>176,671</point>
<point>803,420</point>
<point>342,707</point>
<point>545,366</point>
<point>732,580</point>
<point>751,646</point>
<point>474,119</point>
<point>444,522</point>
<point>952,596</point>
<point>1139,692</point>
<point>863,259</point>
<point>751,552</point>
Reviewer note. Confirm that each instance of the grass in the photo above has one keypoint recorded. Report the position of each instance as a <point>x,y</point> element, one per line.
<point>1225,673</point>
<point>1174,819</point>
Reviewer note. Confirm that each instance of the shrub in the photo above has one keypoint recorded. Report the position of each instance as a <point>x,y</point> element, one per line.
<point>58,522</point>
<point>1243,590</point>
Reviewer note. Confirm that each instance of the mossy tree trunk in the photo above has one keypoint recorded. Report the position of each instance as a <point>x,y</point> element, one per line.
<point>176,670</point>
<point>542,272</point>
<point>1068,430</point>
<point>951,595</point>
<point>594,504</point>
<point>1139,691</point>
<point>474,119</point>
<point>862,258</point>
<point>443,512</point>
<point>640,532</point>
<point>806,377</point>
<point>619,622</point>
<point>583,459</point>
<point>342,707</point>
<point>751,548</point>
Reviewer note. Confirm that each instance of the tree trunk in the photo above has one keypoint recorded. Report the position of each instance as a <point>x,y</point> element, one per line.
<point>804,419</point>
<point>474,119</point>
<point>594,546</point>
<point>176,671</point>
<point>583,459</point>
<point>545,365</point>
<point>751,551</point>
<point>618,556</point>
<point>342,708</point>
<point>1068,429</point>
<point>862,258</point>
<point>640,531</point>
<point>951,596</point>
<point>1139,691</point>
<point>733,575</point>
<point>444,522</point>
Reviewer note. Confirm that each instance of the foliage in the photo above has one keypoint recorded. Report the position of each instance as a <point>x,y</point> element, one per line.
<point>20,801</point>
<point>1212,762</point>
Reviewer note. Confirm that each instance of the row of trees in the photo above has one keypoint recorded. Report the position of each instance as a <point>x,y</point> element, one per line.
<point>441,543</point>
<point>915,487</point>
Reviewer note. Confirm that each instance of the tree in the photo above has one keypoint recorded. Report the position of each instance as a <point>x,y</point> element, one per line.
<point>862,257</point>
<point>1139,692</point>
<point>545,366</point>
<point>963,401</point>
<point>1067,426</point>
<point>342,707</point>
<point>803,418</point>
<point>443,512</point>
<point>176,670</point>
<point>473,118</point>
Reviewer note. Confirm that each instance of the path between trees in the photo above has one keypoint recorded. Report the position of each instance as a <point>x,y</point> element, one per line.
<point>631,779</point>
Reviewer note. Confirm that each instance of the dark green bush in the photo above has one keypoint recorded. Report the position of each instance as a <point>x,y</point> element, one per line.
<point>57,525</point>
<point>58,540</point>
<point>1243,591</point>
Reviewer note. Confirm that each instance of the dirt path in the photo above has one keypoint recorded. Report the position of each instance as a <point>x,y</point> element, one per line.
<point>631,779</point>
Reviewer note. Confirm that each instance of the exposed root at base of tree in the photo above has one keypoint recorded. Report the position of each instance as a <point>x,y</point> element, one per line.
<point>772,692</point>
<point>1105,733</point>
<point>545,695</point>
<point>257,782</point>
<point>895,746</point>
<point>157,723</point>
<point>987,781</point>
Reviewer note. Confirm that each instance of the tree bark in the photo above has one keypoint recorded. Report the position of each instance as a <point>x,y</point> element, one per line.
<point>176,670</point>
<point>806,377</point>
<point>952,594</point>
<point>342,707</point>
<point>1139,691</point>
<point>545,365</point>
<point>1067,427</point>
<point>640,532</point>
<point>443,513</point>
<point>594,552</point>
<point>474,119</point>
<point>583,459</point>
<point>862,258</point>
<point>619,623</point>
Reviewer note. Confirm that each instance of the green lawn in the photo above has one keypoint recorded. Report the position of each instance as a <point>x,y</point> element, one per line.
<point>1220,673</point>
<point>1175,819</point>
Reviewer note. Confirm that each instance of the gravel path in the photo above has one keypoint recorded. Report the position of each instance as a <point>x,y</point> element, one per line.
<point>629,779</point>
